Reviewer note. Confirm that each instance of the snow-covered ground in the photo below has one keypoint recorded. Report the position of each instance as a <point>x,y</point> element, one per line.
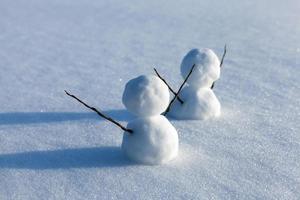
<point>51,147</point>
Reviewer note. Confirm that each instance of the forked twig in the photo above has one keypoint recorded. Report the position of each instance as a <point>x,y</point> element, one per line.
<point>222,60</point>
<point>178,98</point>
<point>176,95</point>
<point>100,114</point>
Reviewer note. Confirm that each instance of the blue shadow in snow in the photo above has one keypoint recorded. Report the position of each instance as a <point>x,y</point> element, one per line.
<point>95,157</point>
<point>10,118</point>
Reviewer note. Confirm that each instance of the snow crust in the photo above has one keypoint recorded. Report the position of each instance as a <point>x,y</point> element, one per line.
<point>53,148</point>
<point>154,140</point>
<point>206,70</point>
<point>146,96</point>
<point>198,104</point>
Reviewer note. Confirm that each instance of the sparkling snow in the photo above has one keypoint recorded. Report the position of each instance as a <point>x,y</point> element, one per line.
<point>51,147</point>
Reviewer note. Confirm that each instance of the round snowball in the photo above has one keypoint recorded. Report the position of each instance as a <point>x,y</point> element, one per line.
<point>154,140</point>
<point>198,104</point>
<point>146,96</point>
<point>207,67</point>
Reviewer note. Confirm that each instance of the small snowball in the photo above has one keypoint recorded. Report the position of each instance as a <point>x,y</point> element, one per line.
<point>146,96</point>
<point>154,140</point>
<point>198,104</point>
<point>207,67</point>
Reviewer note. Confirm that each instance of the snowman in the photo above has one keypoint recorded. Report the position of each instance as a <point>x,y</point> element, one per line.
<point>199,100</point>
<point>153,140</point>
<point>150,138</point>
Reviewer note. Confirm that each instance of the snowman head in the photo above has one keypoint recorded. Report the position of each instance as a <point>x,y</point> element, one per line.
<point>207,67</point>
<point>146,96</point>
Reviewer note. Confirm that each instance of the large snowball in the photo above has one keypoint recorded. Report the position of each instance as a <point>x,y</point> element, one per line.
<point>207,67</point>
<point>146,96</point>
<point>198,104</point>
<point>154,140</point>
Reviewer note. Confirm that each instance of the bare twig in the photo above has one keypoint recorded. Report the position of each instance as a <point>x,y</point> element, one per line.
<point>222,60</point>
<point>178,98</point>
<point>100,114</point>
<point>187,77</point>
<point>224,53</point>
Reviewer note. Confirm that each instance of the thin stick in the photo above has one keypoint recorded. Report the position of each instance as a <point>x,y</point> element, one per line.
<point>168,109</point>
<point>222,60</point>
<point>100,114</point>
<point>224,53</point>
<point>178,98</point>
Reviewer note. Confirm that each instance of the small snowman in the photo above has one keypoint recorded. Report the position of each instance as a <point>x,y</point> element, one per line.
<point>154,140</point>
<point>199,100</point>
<point>150,138</point>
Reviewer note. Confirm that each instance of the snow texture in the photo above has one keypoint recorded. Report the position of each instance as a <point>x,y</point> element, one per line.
<point>146,96</point>
<point>51,147</point>
<point>206,70</point>
<point>154,140</point>
<point>198,104</point>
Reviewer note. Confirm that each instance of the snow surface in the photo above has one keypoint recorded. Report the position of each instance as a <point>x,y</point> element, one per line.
<point>199,104</point>
<point>154,140</point>
<point>51,147</point>
<point>146,96</point>
<point>206,69</point>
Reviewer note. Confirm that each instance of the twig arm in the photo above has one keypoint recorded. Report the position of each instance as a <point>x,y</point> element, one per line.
<point>176,95</point>
<point>159,76</point>
<point>222,60</point>
<point>223,56</point>
<point>100,114</point>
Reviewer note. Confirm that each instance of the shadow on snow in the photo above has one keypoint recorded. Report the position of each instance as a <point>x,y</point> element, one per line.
<point>11,118</point>
<point>95,157</point>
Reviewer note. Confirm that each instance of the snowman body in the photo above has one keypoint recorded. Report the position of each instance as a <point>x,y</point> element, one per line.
<point>154,139</point>
<point>200,102</point>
